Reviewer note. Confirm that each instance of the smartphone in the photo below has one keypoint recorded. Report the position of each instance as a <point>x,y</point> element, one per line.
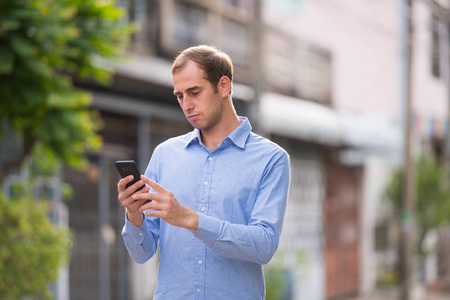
<point>128,167</point>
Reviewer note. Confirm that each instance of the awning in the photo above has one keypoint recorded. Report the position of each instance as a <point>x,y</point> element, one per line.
<point>304,120</point>
<point>312,122</point>
<point>372,132</point>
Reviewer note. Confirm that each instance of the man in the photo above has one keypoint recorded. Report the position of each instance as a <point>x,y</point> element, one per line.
<point>218,193</point>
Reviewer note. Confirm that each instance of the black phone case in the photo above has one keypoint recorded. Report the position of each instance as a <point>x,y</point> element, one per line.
<point>126,168</point>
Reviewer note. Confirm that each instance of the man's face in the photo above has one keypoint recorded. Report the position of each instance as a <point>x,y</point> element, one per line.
<point>202,107</point>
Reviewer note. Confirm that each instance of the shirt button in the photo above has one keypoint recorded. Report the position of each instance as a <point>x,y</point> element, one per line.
<point>141,234</point>
<point>205,183</point>
<point>203,208</point>
<point>200,261</point>
<point>210,159</point>
<point>198,290</point>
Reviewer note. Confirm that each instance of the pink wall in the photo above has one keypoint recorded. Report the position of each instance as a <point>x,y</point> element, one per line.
<point>430,94</point>
<point>364,38</point>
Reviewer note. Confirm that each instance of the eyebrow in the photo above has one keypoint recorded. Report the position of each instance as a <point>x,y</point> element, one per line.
<point>187,90</point>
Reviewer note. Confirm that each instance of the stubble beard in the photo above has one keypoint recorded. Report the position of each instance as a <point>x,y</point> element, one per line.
<point>213,119</point>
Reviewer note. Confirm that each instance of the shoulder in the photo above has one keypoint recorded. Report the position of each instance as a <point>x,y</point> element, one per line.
<point>266,147</point>
<point>264,144</point>
<point>174,143</point>
<point>165,151</point>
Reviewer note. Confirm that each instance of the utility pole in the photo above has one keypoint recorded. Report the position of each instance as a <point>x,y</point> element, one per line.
<point>257,74</point>
<point>407,217</point>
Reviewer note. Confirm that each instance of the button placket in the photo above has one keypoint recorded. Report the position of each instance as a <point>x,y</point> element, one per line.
<point>207,182</point>
<point>203,205</point>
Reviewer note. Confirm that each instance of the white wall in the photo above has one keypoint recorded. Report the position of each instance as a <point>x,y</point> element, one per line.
<point>143,279</point>
<point>301,244</point>
<point>376,175</point>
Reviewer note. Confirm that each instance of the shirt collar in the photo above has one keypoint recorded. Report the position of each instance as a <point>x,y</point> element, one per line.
<point>238,136</point>
<point>194,137</point>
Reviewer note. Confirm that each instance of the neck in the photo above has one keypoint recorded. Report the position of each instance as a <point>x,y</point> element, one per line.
<point>214,137</point>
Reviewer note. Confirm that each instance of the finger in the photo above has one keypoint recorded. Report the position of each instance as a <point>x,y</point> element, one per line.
<point>148,196</point>
<point>154,213</point>
<point>149,206</point>
<point>123,182</point>
<point>132,189</point>
<point>135,186</point>
<point>125,197</point>
<point>133,205</point>
<point>158,188</point>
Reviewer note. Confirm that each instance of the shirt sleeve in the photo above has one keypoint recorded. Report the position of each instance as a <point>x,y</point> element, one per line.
<point>258,240</point>
<point>142,242</point>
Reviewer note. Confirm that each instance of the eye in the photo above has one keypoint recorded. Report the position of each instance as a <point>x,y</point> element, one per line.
<point>195,93</point>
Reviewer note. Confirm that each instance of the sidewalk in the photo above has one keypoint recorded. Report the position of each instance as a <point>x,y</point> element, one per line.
<point>394,295</point>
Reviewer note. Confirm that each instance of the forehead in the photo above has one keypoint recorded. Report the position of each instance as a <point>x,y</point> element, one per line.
<point>189,75</point>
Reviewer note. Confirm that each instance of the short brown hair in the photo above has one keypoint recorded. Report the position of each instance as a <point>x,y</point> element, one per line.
<point>213,61</point>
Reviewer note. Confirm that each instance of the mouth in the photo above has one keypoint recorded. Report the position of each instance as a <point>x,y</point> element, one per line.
<point>192,117</point>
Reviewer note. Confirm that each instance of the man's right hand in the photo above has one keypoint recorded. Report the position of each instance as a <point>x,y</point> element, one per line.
<point>131,205</point>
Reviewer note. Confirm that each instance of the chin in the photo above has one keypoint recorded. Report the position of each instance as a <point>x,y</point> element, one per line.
<point>195,125</point>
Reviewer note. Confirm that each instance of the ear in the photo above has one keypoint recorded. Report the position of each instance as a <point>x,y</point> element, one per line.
<point>224,86</point>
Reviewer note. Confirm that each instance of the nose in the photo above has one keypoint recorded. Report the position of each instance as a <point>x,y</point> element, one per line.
<point>187,103</point>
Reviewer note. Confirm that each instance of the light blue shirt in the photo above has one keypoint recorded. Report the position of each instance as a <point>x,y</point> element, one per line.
<point>240,192</point>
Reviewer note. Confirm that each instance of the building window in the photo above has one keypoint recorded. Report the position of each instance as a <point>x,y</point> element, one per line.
<point>381,237</point>
<point>436,70</point>
<point>297,68</point>
<point>234,39</point>
<point>279,62</point>
<point>225,23</point>
<point>134,10</point>
<point>313,73</point>
<point>241,4</point>
<point>190,25</point>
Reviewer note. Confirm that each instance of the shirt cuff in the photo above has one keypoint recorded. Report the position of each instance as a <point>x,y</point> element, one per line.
<point>136,233</point>
<point>208,230</point>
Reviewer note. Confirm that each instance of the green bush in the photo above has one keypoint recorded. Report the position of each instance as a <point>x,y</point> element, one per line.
<point>32,249</point>
<point>276,283</point>
<point>431,195</point>
<point>388,279</point>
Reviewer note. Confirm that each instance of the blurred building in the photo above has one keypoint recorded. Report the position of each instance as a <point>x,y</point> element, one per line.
<point>337,66</point>
<point>430,96</point>
<point>321,78</point>
<point>348,57</point>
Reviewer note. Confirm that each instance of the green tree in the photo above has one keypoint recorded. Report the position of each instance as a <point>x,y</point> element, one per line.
<point>432,194</point>
<point>32,249</point>
<point>43,45</point>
